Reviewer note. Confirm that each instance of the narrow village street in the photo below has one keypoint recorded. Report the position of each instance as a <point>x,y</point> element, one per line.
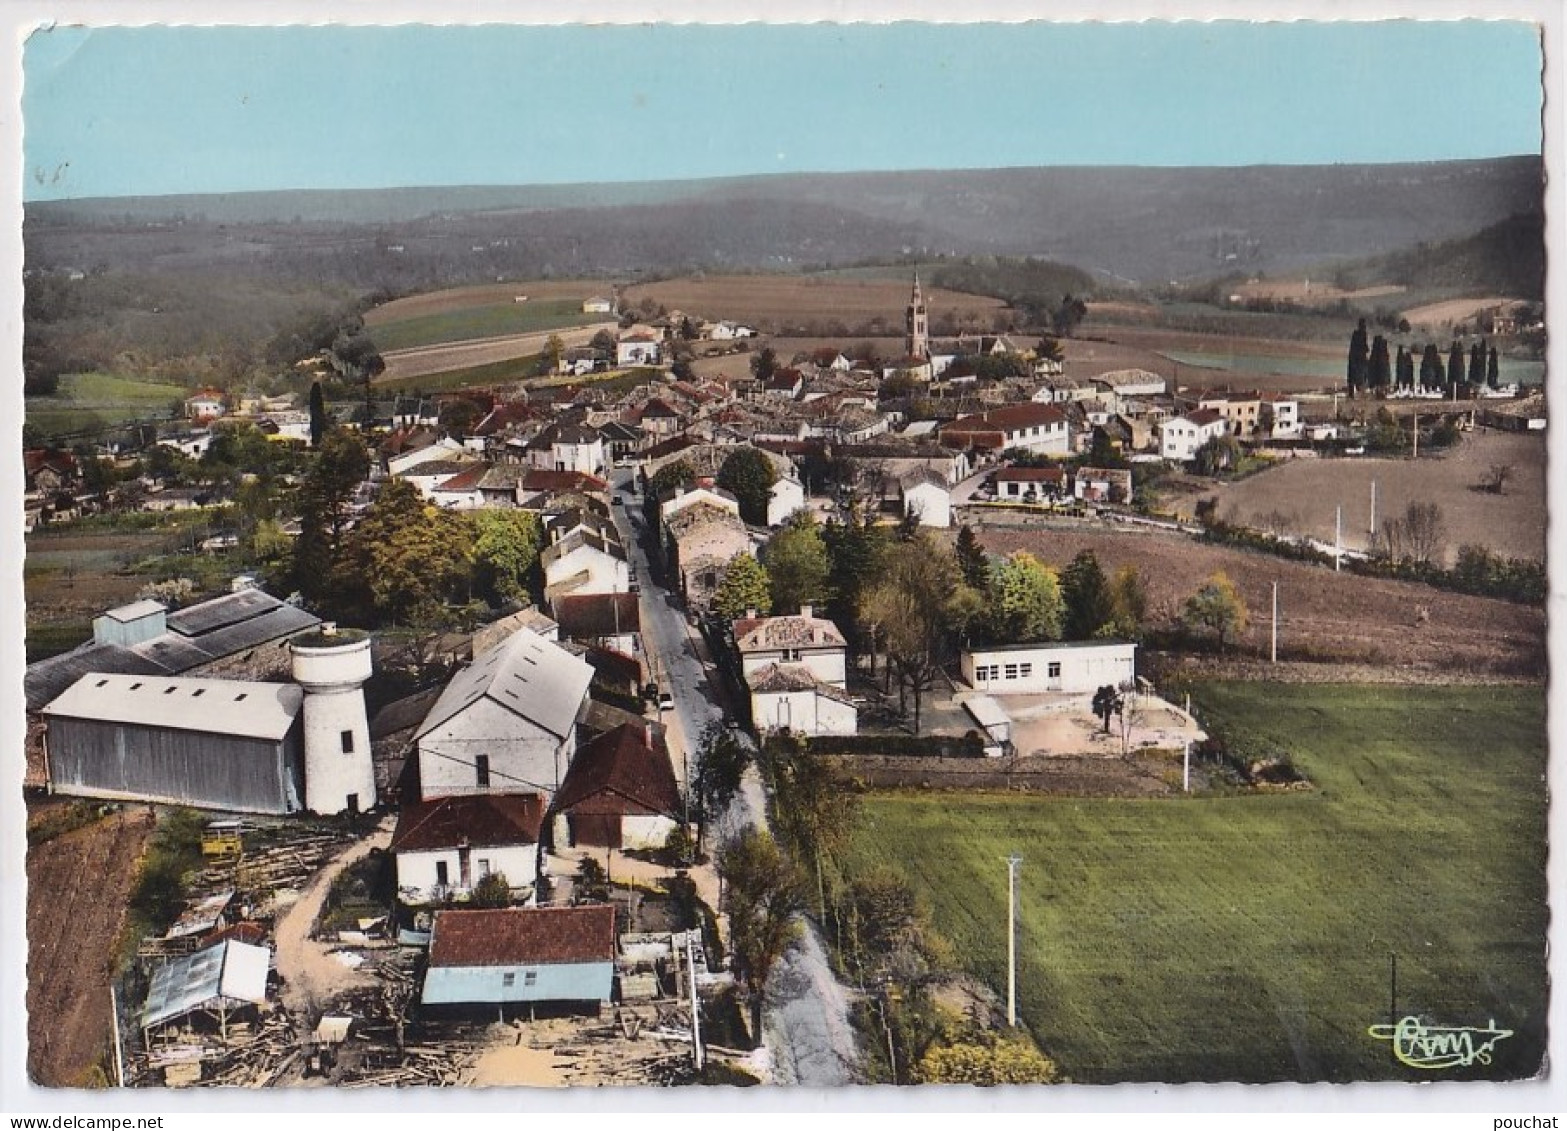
<point>806,1017</point>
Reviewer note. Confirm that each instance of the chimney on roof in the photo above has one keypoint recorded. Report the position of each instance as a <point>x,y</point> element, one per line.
<point>750,614</point>
<point>647,733</point>
<point>805,611</point>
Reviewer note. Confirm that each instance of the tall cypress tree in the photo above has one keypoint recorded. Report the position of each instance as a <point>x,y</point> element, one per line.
<point>1477,363</point>
<point>1455,367</point>
<point>317,415</point>
<point>1493,372</point>
<point>1359,359</point>
<point>1381,375</point>
<point>1431,375</point>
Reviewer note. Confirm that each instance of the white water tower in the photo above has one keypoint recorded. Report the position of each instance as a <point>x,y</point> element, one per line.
<point>332,665</point>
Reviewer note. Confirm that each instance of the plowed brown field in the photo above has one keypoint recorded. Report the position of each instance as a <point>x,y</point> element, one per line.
<point>1322,615</point>
<point>78,886</point>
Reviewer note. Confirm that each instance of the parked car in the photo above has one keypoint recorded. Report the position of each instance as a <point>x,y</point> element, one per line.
<point>666,701</point>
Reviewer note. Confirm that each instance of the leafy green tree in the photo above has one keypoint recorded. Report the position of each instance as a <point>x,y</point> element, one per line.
<point>813,809</point>
<point>1218,608</point>
<point>855,548</point>
<point>1128,603</point>
<point>341,465</point>
<point>764,364</point>
<point>1358,370</point>
<point>554,350</point>
<point>764,893</point>
<point>506,546</point>
<point>1087,598</point>
<point>918,607</point>
<point>971,559</point>
<point>988,1060</point>
<point>1025,602</point>
<point>1219,453</point>
<point>411,557</point>
<point>459,414</point>
<point>492,890</point>
<point>746,585</point>
<point>721,762</point>
<point>749,475</point>
<point>798,565</point>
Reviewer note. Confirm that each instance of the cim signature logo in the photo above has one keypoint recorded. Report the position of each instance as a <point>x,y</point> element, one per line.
<point>1438,1046</point>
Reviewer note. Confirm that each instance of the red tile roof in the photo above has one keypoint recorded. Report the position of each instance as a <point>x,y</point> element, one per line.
<point>527,936</point>
<point>464,480</point>
<point>483,820</point>
<point>1030,475</point>
<point>617,774</point>
<point>540,479</point>
<point>598,614</point>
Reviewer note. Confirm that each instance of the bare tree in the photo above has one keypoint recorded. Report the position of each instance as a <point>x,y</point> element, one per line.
<point>1496,478</point>
<point>1417,536</point>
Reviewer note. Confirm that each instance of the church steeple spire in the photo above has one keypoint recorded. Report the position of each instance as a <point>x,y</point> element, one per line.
<point>916,338</point>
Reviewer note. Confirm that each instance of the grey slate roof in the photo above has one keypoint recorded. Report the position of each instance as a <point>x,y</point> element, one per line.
<point>528,675</point>
<point>211,630</point>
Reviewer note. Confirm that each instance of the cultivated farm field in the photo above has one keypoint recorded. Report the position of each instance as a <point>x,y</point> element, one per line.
<point>781,303</point>
<point>1250,938</point>
<point>91,401</point>
<point>1306,492</point>
<point>78,886</point>
<point>1322,615</point>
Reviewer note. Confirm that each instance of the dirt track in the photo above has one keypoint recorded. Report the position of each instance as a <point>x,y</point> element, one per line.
<point>311,977</point>
<point>78,886</point>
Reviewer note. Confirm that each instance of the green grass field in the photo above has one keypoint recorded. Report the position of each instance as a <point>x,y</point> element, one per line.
<point>89,401</point>
<point>487,321</point>
<point>1248,937</point>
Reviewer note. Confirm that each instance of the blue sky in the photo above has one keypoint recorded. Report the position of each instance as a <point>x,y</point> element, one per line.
<point>125,111</point>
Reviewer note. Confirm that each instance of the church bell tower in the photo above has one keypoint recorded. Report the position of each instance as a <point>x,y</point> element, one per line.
<point>916,338</point>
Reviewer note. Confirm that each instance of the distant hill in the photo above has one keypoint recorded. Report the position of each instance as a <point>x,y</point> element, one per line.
<point>1506,258</point>
<point>1125,226</point>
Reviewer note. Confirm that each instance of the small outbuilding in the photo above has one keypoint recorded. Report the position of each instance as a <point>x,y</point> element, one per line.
<point>619,793</point>
<point>1075,667</point>
<point>445,847</point>
<point>561,956</point>
<point>214,982</point>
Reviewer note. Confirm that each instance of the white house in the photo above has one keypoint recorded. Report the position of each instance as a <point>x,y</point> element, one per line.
<point>504,724</point>
<point>638,346</point>
<point>1034,484</point>
<point>443,848</point>
<point>786,496</point>
<point>1181,436</point>
<point>583,562</point>
<point>598,304</point>
<point>1077,667</point>
<point>788,697</point>
<point>443,449</point>
<point>1132,383</point>
<point>522,956</point>
<point>728,331</point>
<point>687,497</point>
<point>806,639</point>
<point>568,447</point>
<point>1033,427</point>
<point>923,492</point>
<point>192,445</point>
<point>205,404</point>
<point>1281,417</point>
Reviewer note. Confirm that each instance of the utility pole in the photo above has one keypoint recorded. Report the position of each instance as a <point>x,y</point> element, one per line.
<point>119,1059</point>
<point>1417,436</point>
<point>697,1051</point>
<point>1338,536</point>
<point>1373,508</point>
<point>1273,651</point>
<point>1012,864</point>
<point>1186,768</point>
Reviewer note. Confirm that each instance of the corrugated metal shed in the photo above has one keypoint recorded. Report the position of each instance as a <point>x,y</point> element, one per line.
<point>223,976</point>
<point>218,706</point>
<point>211,630</point>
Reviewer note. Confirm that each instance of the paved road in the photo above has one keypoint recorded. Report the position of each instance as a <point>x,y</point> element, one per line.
<point>806,1016</point>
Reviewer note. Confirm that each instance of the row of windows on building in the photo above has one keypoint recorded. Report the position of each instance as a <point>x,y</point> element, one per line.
<point>986,672</point>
